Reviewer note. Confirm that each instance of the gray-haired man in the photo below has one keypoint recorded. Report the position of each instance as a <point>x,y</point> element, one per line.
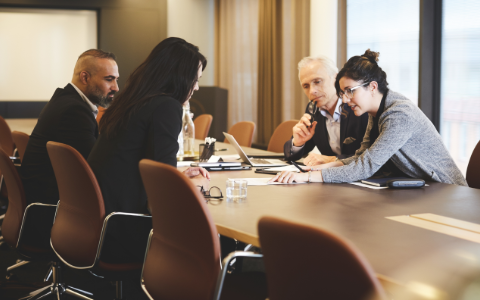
<point>335,130</point>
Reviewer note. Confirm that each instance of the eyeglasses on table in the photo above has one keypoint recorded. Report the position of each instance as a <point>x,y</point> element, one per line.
<point>214,193</point>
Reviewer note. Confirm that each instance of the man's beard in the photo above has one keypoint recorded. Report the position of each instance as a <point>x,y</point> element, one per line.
<point>96,97</point>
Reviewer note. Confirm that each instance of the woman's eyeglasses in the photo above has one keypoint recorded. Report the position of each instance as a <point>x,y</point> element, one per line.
<point>214,193</point>
<point>349,92</point>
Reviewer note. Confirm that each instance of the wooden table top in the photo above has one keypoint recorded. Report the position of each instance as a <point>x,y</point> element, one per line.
<point>353,212</point>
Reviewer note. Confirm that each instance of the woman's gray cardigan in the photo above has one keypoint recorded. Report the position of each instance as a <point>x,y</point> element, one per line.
<point>406,136</point>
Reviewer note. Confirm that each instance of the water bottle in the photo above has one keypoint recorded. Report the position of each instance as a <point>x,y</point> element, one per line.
<point>180,152</point>
<point>188,131</point>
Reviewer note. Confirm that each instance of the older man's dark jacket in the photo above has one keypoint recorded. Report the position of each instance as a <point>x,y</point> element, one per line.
<point>352,130</point>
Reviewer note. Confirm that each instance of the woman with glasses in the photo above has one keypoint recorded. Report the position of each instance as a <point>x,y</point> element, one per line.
<point>144,121</point>
<point>399,141</point>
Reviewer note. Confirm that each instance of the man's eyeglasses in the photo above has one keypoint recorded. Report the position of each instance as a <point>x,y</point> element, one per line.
<point>349,92</point>
<point>214,192</point>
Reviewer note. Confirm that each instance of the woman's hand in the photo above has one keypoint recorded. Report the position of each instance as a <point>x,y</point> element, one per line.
<point>195,171</point>
<point>289,177</point>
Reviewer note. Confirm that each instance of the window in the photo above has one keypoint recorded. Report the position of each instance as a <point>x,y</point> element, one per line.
<point>390,27</point>
<point>460,82</point>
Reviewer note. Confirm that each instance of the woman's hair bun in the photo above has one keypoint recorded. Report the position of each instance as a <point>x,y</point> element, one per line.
<point>371,55</point>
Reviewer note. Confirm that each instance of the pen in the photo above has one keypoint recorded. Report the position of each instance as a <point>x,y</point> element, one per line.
<point>225,149</point>
<point>298,167</point>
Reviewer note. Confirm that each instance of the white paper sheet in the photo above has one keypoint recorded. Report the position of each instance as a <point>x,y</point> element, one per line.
<point>182,164</point>
<point>290,168</point>
<point>261,181</point>
<point>230,157</point>
<point>213,158</point>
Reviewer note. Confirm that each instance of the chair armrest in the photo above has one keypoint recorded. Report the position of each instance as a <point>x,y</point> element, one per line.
<point>225,263</point>
<point>141,225</point>
<point>37,223</point>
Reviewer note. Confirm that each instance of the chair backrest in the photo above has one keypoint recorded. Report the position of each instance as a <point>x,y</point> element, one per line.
<point>302,262</point>
<point>473,169</point>
<point>16,200</point>
<point>76,232</point>
<point>6,141</point>
<point>184,249</point>
<point>243,133</point>
<point>202,126</point>
<point>101,111</point>
<point>282,133</point>
<point>21,140</point>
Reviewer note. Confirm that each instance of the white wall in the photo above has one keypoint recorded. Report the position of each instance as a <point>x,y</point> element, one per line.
<point>39,48</point>
<point>193,20</point>
<point>323,28</point>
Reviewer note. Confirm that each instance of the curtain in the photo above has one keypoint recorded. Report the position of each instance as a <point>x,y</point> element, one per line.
<point>236,54</point>
<point>258,44</point>
<point>269,69</point>
<point>296,45</point>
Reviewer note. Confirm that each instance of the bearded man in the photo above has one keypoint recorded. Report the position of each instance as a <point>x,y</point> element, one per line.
<point>69,118</point>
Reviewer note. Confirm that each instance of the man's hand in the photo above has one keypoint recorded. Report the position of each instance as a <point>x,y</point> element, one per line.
<point>301,132</point>
<point>199,176</point>
<point>314,159</point>
<point>196,171</point>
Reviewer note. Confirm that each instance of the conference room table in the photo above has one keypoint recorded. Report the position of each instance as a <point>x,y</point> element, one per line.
<point>355,213</point>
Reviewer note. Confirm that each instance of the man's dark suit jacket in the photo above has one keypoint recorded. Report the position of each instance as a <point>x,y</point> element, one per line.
<point>67,119</point>
<point>352,130</point>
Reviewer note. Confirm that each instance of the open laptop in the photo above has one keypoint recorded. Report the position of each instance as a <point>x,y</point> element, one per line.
<point>255,162</point>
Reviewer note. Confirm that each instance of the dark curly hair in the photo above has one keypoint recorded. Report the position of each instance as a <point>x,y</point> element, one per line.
<point>363,68</point>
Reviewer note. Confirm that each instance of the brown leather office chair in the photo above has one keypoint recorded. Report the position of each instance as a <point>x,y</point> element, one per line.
<point>202,126</point>
<point>243,133</point>
<point>303,262</point>
<point>6,143</point>
<point>21,140</point>
<point>282,133</point>
<point>473,168</point>
<point>78,234</point>
<point>183,254</point>
<point>25,228</point>
<point>6,140</point>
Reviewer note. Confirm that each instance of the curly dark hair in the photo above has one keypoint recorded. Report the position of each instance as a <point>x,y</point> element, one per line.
<point>363,68</point>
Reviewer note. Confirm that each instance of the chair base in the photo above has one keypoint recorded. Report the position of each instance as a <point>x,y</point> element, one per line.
<point>10,275</point>
<point>18,264</point>
<point>57,288</point>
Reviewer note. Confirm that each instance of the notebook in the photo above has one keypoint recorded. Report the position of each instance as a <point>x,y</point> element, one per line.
<point>255,162</point>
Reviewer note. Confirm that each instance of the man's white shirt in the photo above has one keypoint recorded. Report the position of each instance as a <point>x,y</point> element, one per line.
<point>333,129</point>
<point>92,106</point>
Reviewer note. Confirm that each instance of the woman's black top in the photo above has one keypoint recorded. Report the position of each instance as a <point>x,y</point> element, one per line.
<point>152,133</point>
